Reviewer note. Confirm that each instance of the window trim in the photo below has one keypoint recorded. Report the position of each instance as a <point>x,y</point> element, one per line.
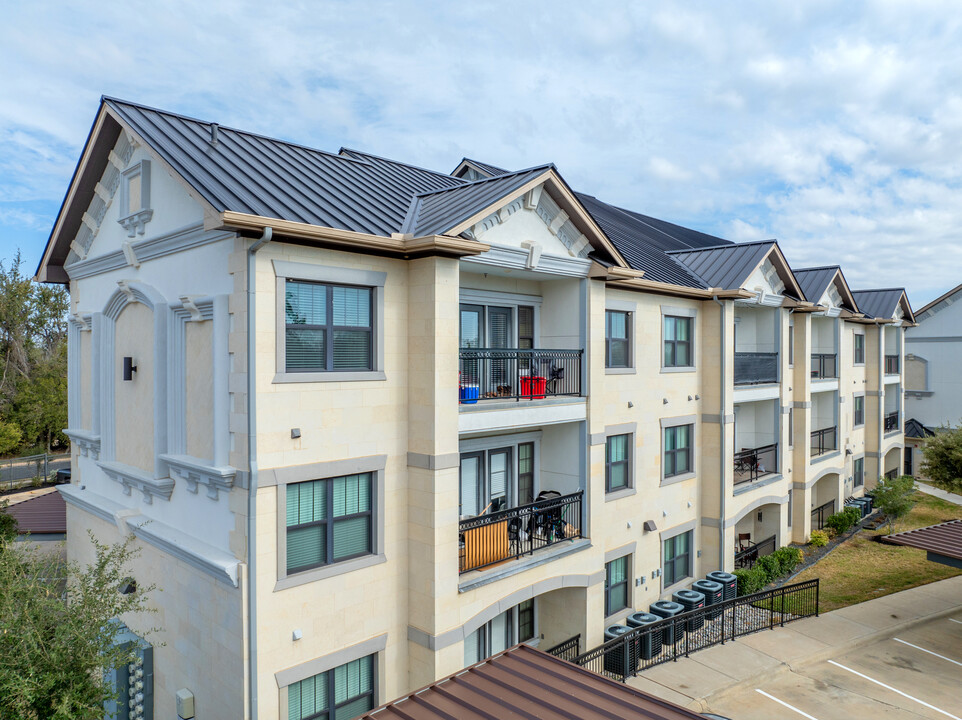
<point>855,362</point>
<point>856,482</point>
<point>134,222</point>
<point>282,477</point>
<point>630,429</point>
<point>671,534</point>
<point>628,309</point>
<point>629,570</point>
<point>309,272</point>
<point>855,420</point>
<point>667,423</point>
<point>678,313</point>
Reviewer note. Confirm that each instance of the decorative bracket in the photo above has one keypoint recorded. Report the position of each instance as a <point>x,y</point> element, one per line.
<point>196,472</point>
<point>131,477</point>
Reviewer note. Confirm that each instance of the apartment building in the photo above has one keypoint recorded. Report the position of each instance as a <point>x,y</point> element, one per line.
<point>371,423</point>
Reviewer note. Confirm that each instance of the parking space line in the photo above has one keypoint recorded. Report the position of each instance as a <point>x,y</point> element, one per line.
<point>782,702</point>
<point>889,687</point>
<point>928,651</point>
<point>955,621</point>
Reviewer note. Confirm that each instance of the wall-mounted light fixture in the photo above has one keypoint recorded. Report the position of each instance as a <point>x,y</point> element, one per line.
<point>650,526</point>
<point>129,368</point>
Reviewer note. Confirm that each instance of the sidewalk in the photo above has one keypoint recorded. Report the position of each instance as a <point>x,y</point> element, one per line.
<point>710,674</point>
<point>947,496</point>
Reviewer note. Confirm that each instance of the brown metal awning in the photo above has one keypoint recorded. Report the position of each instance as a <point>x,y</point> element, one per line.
<point>41,515</point>
<point>943,543</point>
<point>523,683</point>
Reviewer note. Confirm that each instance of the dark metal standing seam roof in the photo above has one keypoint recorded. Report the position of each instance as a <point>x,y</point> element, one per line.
<point>726,266</point>
<point>253,174</point>
<point>879,304</point>
<point>943,541</point>
<point>642,242</point>
<point>42,515</point>
<point>440,211</point>
<point>491,170</point>
<point>815,281</point>
<point>915,429</point>
<point>525,684</point>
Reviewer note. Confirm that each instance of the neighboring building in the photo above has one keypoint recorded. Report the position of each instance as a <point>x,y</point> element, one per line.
<point>478,408</point>
<point>933,383</point>
<point>915,436</point>
<point>41,517</point>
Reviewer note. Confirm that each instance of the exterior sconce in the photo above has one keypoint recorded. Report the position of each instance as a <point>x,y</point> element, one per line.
<point>650,526</point>
<point>129,368</point>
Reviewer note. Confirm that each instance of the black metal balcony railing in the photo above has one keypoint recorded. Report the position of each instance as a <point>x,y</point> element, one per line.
<point>892,421</point>
<point>489,373</point>
<point>567,650</point>
<point>824,365</point>
<point>755,368</point>
<point>891,474</point>
<point>824,441</point>
<point>510,534</point>
<point>891,364</point>
<point>679,636</point>
<point>754,463</point>
<point>821,514</point>
<point>747,557</point>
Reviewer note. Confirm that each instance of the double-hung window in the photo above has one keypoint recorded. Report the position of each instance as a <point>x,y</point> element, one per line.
<point>858,474</point>
<point>859,358</point>
<point>677,460</point>
<point>617,462</point>
<point>677,558</point>
<point>329,521</point>
<point>514,625</point>
<point>343,693</point>
<point>617,343</point>
<point>858,408</point>
<point>616,585</point>
<point>677,333</point>
<point>328,327</point>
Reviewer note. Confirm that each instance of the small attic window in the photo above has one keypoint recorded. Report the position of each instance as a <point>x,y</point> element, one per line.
<point>135,211</point>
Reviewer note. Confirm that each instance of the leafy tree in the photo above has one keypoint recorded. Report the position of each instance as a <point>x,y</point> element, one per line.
<point>33,360</point>
<point>942,459</point>
<point>894,497</point>
<point>8,526</point>
<point>57,629</point>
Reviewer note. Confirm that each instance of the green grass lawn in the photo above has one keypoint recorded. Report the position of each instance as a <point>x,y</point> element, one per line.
<point>862,569</point>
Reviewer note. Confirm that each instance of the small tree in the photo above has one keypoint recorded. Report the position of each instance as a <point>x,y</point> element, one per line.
<point>57,629</point>
<point>893,496</point>
<point>942,459</point>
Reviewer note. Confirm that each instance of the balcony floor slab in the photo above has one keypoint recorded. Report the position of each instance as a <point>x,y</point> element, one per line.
<point>488,416</point>
<point>478,578</point>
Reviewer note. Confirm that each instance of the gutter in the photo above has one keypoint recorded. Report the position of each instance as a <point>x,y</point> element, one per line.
<point>723,491</point>
<point>265,238</point>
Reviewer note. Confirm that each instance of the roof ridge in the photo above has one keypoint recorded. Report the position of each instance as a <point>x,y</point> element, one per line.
<point>397,162</point>
<point>248,133</point>
<point>891,289</point>
<point>722,247</point>
<point>547,166</point>
<point>817,267</point>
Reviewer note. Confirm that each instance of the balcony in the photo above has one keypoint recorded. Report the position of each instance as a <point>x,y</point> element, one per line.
<point>891,364</point>
<point>824,441</point>
<point>748,552</point>
<point>514,374</point>
<point>755,463</point>
<point>824,365</point>
<point>756,368</point>
<point>497,537</point>
<point>891,421</point>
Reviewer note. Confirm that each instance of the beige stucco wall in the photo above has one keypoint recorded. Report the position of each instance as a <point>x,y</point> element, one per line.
<point>134,399</point>
<point>200,390</point>
<point>198,644</point>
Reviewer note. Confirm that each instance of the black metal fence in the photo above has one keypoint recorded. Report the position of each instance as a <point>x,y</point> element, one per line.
<point>755,463</point>
<point>567,650</point>
<point>747,557</point>
<point>891,364</point>
<point>32,469</point>
<point>821,514</point>
<point>754,368</point>
<point>509,534</point>
<point>824,440</point>
<point>891,421</point>
<point>824,365</point>
<point>671,638</point>
<point>487,373</point>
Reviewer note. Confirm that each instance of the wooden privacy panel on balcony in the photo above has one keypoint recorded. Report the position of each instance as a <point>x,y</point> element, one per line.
<point>485,545</point>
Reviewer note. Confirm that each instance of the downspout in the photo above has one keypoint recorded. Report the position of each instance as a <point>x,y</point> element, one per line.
<point>721,438</point>
<point>879,458</point>
<point>252,480</point>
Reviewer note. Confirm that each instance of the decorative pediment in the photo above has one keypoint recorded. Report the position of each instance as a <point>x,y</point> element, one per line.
<point>767,285</point>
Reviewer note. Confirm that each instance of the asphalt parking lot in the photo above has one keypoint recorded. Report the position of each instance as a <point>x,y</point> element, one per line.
<point>916,673</point>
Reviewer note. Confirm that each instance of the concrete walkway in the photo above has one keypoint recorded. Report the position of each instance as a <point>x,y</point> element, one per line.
<point>930,490</point>
<point>708,676</point>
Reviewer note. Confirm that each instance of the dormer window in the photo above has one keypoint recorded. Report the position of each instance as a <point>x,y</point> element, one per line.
<point>135,210</point>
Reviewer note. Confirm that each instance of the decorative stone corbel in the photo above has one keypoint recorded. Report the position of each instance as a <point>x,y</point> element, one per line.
<point>188,302</point>
<point>124,286</point>
<point>129,254</point>
<point>534,253</point>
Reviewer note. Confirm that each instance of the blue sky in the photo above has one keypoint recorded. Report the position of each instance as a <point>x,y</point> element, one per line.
<point>835,127</point>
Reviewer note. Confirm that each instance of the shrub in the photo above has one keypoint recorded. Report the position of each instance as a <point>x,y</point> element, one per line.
<point>855,513</point>
<point>788,559</point>
<point>750,580</point>
<point>839,522</point>
<point>770,566</point>
<point>818,538</point>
